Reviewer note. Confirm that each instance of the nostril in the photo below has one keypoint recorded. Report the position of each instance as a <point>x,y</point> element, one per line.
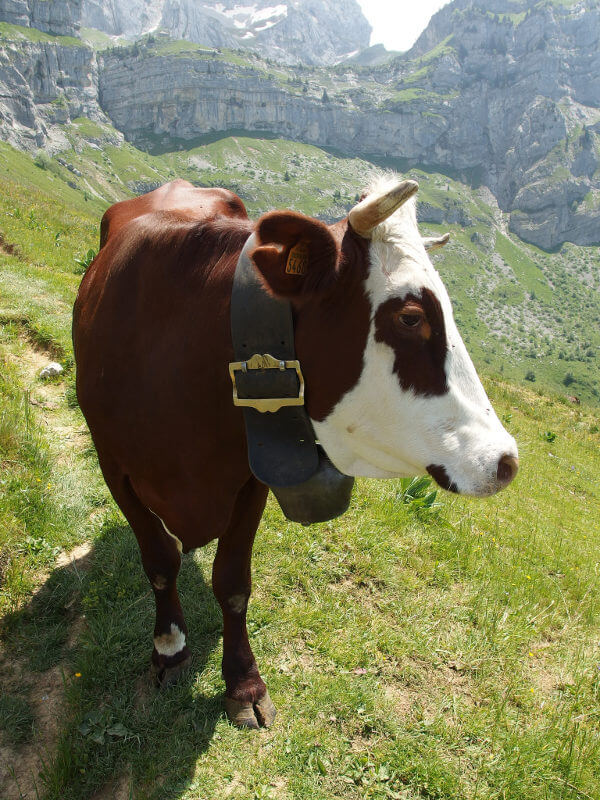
<point>507,468</point>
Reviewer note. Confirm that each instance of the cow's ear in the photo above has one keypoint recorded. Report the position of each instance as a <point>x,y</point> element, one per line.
<point>296,255</point>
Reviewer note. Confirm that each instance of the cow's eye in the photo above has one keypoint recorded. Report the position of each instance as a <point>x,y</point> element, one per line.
<point>409,317</point>
<point>410,320</point>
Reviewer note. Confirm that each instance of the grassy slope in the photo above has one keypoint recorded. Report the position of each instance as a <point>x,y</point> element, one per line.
<point>18,33</point>
<point>449,656</point>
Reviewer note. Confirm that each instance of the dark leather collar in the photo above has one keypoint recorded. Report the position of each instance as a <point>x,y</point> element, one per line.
<point>282,450</point>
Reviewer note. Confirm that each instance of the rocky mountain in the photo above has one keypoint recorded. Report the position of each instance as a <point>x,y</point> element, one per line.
<point>504,93</point>
<point>372,56</point>
<point>293,31</point>
<point>60,18</point>
<point>526,84</point>
<point>131,19</point>
<point>45,82</point>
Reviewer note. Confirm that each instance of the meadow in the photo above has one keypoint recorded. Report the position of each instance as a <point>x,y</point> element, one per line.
<point>422,646</point>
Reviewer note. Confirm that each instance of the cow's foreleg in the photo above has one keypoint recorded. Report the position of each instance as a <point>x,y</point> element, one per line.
<point>247,701</point>
<point>161,560</point>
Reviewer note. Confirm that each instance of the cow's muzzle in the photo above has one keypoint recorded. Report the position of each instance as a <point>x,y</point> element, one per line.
<point>506,469</point>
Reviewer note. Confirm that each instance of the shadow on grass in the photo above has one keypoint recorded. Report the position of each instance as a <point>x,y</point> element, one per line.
<point>95,618</point>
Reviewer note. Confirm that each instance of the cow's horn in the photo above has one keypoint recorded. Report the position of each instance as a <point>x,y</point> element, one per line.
<point>433,242</point>
<point>376,208</point>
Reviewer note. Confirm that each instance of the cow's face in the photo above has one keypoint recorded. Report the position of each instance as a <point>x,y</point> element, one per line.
<point>391,389</point>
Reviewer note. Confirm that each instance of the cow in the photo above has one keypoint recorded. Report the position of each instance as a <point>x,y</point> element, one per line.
<point>389,386</point>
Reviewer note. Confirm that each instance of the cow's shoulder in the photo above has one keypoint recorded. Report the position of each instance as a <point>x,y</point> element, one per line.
<point>180,198</point>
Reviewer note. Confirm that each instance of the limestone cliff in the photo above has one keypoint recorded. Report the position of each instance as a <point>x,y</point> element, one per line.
<point>59,17</point>
<point>521,83</point>
<point>508,99</point>
<point>43,85</point>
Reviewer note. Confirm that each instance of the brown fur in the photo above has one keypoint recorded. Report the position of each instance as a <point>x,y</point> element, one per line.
<point>189,201</point>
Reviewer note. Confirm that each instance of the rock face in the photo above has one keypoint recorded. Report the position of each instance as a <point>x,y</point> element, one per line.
<point>202,93</point>
<point>58,17</point>
<point>119,18</point>
<point>44,85</point>
<point>526,81</point>
<point>503,92</point>
<point>292,31</point>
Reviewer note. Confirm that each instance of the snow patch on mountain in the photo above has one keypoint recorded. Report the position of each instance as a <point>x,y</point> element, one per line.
<point>249,20</point>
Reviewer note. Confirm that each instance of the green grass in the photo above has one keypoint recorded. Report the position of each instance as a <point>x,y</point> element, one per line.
<point>443,48</point>
<point>180,47</point>
<point>19,33</point>
<point>445,654</point>
<point>89,129</point>
<point>44,500</point>
<point>47,224</point>
<point>526,270</point>
<point>100,40</point>
<point>16,718</point>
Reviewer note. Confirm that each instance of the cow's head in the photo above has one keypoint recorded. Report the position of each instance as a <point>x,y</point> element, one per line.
<point>390,387</point>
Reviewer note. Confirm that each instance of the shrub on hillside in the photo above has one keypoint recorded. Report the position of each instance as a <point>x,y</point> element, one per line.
<point>42,160</point>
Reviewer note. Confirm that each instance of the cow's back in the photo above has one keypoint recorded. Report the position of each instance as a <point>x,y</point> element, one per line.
<point>152,343</point>
<point>178,196</point>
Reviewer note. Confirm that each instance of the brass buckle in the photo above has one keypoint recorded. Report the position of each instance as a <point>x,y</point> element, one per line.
<point>263,404</point>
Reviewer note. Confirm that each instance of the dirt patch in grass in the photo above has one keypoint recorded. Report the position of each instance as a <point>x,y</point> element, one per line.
<point>67,433</point>
<point>432,692</point>
<point>41,341</point>
<point>78,558</point>
<point>546,675</point>
<point>31,359</point>
<point>8,247</point>
<point>21,767</point>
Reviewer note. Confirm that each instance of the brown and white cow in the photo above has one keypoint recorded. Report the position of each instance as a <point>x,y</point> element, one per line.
<point>390,388</point>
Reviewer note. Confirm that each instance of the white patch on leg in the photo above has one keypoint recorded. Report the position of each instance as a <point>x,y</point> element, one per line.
<point>169,644</point>
<point>237,603</point>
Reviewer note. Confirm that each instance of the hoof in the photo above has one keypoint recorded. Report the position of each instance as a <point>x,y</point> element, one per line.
<point>167,676</point>
<point>251,715</point>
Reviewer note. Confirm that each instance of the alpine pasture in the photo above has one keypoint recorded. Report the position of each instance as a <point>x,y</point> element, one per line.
<point>422,646</point>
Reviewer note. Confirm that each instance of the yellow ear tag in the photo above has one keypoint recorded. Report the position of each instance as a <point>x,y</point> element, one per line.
<point>297,262</point>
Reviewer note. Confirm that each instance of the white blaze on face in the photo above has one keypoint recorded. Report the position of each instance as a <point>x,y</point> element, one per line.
<point>381,430</point>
